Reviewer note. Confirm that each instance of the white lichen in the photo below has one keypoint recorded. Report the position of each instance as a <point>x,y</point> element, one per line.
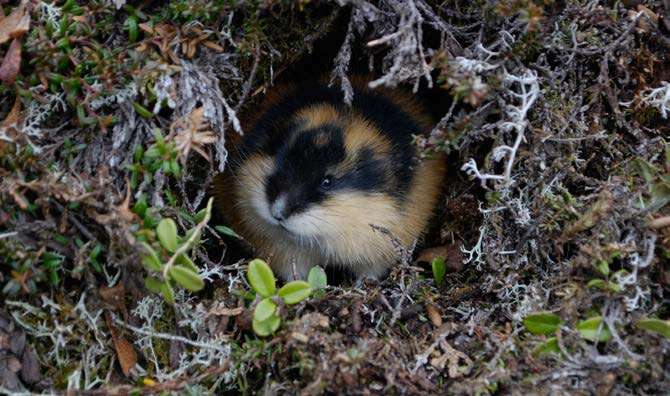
<point>525,89</point>
<point>658,98</point>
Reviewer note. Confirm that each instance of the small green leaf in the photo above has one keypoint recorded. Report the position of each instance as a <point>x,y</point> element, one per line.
<point>439,270</point>
<point>141,206</point>
<point>317,278</point>
<point>294,292</point>
<point>261,278</point>
<point>168,294</point>
<point>67,6</point>
<point>549,346</point>
<point>266,327</point>
<point>152,284</point>
<point>264,309</point>
<point>139,152</point>
<point>226,231</point>
<point>187,278</point>
<point>187,236</point>
<point>167,234</point>
<point>603,267</point>
<point>141,110</point>
<point>95,252</point>
<point>132,28</point>
<point>171,198</point>
<point>599,283</point>
<point>174,167</point>
<point>160,140</point>
<point>186,261</point>
<point>660,196</point>
<point>200,215</point>
<point>83,119</point>
<point>150,259</point>
<point>185,215</point>
<point>54,278</point>
<point>589,329</point>
<point>542,323</point>
<point>646,170</point>
<point>152,152</point>
<point>655,325</point>
<point>151,220</point>
<point>77,10</point>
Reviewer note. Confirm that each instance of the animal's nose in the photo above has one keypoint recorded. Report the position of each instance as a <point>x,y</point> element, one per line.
<point>277,215</point>
<point>278,208</point>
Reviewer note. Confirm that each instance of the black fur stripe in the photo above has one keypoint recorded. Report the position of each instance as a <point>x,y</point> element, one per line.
<point>394,122</point>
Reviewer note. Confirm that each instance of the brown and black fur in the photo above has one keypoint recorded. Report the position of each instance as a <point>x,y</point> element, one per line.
<point>275,194</point>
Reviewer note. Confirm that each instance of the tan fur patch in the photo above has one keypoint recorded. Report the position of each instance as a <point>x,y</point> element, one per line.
<point>360,133</point>
<point>317,115</point>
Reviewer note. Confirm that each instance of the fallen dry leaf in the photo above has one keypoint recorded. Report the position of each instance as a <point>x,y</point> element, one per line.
<point>434,315</point>
<point>649,13</point>
<point>660,222</point>
<point>13,116</point>
<point>15,24</point>
<point>213,46</point>
<point>30,366</point>
<point>300,337</point>
<point>126,353</point>
<point>124,349</point>
<point>11,64</point>
<point>146,28</point>
<point>192,133</point>
<point>226,311</point>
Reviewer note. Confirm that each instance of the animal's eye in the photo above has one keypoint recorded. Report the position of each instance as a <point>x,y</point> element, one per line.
<point>327,182</point>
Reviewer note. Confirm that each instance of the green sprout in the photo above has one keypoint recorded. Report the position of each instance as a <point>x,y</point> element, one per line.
<point>542,323</point>
<point>439,270</point>
<point>160,155</point>
<point>655,325</point>
<point>178,269</point>
<point>317,280</point>
<point>594,329</point>
<point>262,280</point>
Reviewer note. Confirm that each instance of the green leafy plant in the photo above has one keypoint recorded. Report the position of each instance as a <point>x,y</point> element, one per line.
<point>549,346</point>
<point>160,155</point>
<point>542,323</point>
<point>226,231</point>
<point>262,280</point>
<point>608,282</point>
<point>655,325</point>
<point>594,329</point>
<point>658,182</point>
<point>178,269</point>
<point>439,270</point>
<point>317,280</point>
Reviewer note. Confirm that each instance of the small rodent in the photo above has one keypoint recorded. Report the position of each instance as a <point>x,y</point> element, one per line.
<point>310,177</point>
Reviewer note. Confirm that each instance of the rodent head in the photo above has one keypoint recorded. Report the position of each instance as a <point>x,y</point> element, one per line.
<point>330,176</point>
